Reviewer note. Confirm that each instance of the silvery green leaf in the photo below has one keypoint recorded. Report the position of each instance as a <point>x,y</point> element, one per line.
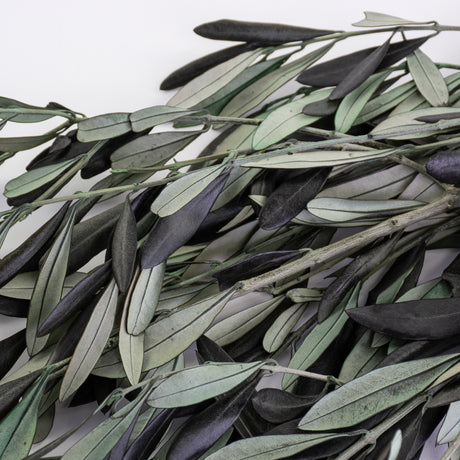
<point>450,428</point>
<point>395,446</point>
<point>184,253</point>
<point>428,78</point>
<point>103,127</point>
<point>131,347</point>
<point>285,120</point>
<point>256,93</point>
<point>245,213</point>
<point>381,185</point>
<point>271,447</point>
<point>195,384</point>
<point>35,363</point>
<point>407,120</point>
<point>144,299</point>
<point>92,342</point>
<point>98,443</point>
<point>299,295</point>
<point>158,114</point>
<point>340,210</point>
<point>373,19</point>
<point>22,285</point>
<point>240,323</point>
<point>422,188</point>
<point>48,287</point>
<point>237,181</point>
<point>419,291</point>
<point>281,327</point>
<point>320,337</point>
<point>36,178</point>
<point>19,112</point>
<point>211,81</point>
<point>307,218</point>
<point>385,102</point>
<point>354,102</point>
<point>312,158</point>
<point>172,334</point>
<point>170,300</point>
<point>373,392</point>
<point>17,429</point>
<point>180,192</point>
<point>17,144</point>
<point>152,149</point>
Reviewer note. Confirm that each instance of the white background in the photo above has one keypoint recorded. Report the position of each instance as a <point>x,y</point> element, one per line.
<point>99,56</point>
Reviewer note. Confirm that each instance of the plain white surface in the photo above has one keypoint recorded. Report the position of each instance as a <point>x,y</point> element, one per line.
<point>104,56</point>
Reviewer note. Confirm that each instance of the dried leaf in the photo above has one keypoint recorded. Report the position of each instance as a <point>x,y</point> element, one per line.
<point>103,127</point>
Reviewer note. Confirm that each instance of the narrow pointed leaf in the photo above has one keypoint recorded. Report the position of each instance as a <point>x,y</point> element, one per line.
<point>426,319</point>
<point>263,33</point>
<point>124,247</point>
<point>10,306</point>
<point>48,288</point>
<point>361,72</point>
<point>92,342</point>
<point>319,338</point>
<point>285,120</point>
<point>239,324</point>
<point>451,426</point>
<point>257,92</point>
<point>156,115</point>
<point>171,232</point>
<point>31,180</point>
<point>151,150</point>
<point>291,197</point>
<point>144,299</point>
<point>428,78</point>
<point>180,192</point>
<point>374,392</point>
<point>10,349</point>
<point>373,19</point>
<point>169,336</point>
<point>18,427</point>
<point>195,68</point>
<point>271,447</point>
<point>103,127</point>
<point>196,384</point>
<point>212,80</point>
<point>17,144</point>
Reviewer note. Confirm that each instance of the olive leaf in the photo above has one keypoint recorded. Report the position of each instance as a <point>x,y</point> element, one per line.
<point>32,180</point>
<point>19,112</point>
<point>10,306</point>
<point>239,324</point>
<point>285,120</point>
<point>451,426</point>
<point>48,287</point>
<point>171,335</point>
<point>373,19</point>
<point>103,127</point>
<point>151,150</point>
<point>196,384</point>
<point>373,392</point>
<point>428,78</point>
<point>92,342</point>
<point>320,337</point>
<point>258,91</point>
<point>156,115</point>
<point>17,144</point>
<point>259,32</point>
<point>144,299</point>
<point>17,429</point>
<point>11,348</point>
<point>211,81</point>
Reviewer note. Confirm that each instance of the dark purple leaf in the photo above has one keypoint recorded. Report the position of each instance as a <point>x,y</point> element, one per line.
<point>11,349</point>
<point>261,33</point>
<point>426,319</point>
<point>119,449</point>
<point>142,202</point>
<point>445,167</point>
<point>12,263</point>
<point>278,406</point>
<point>291,197</point>
<point>361,72</point>
<point>321,108</point>
<point>441,116</point>
<point>331,73</point>
<point>77,298</point>
<point>191,70</point>
<point>124,247</point>
<point>202,430</point>
<point>253,266</point>
<point>14,307</point>
<point>171,232</point>
<point>208,350</point>
<point>354,272</point>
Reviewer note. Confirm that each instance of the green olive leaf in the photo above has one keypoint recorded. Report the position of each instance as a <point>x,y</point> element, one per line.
<point>373,19</point>
<point>195,384</point>
<point>103,127</point>
<point>428,78</point>
<point>17,144</point>
<point>450,428</point>
<point>158,114</point>
<point>373,392</point>
<point>92,342</point>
